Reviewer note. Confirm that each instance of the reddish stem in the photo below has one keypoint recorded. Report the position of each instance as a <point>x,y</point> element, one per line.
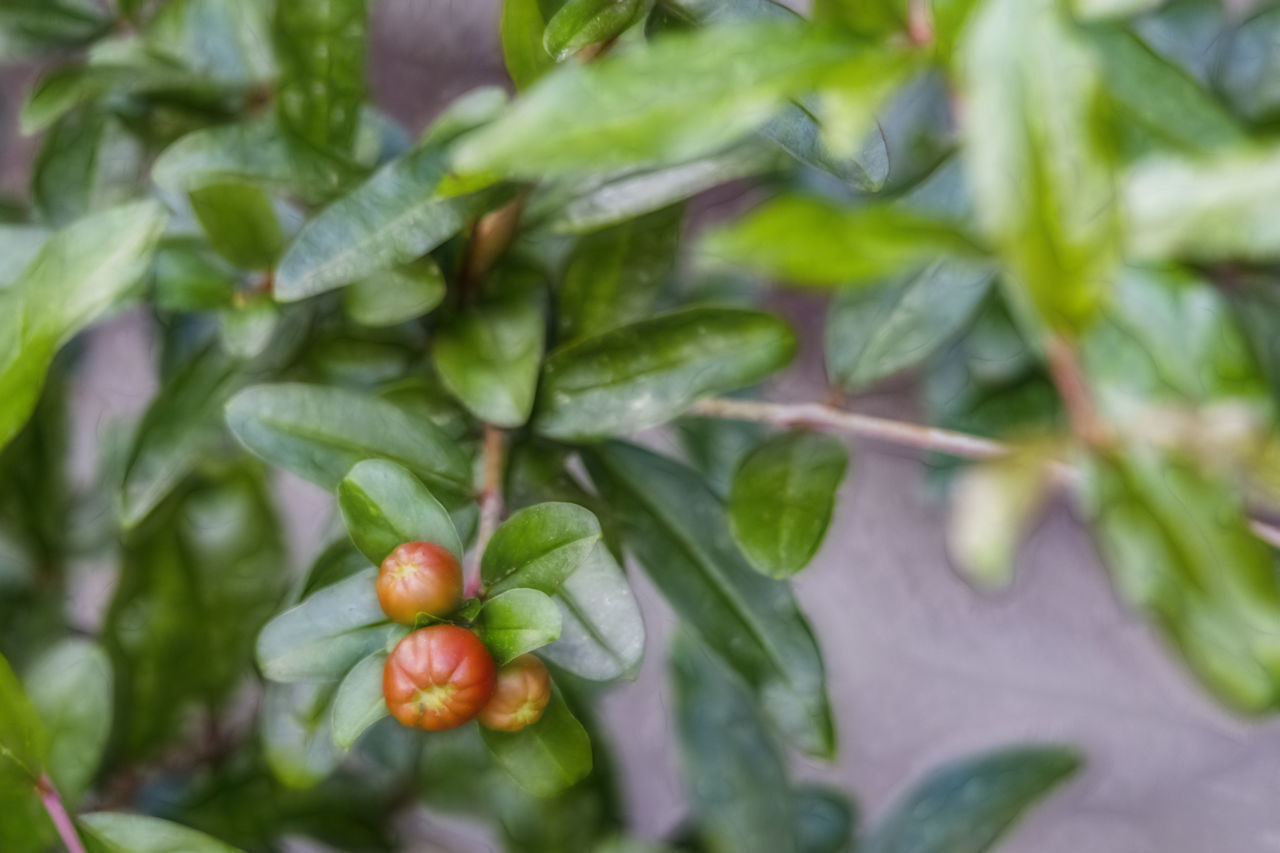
<point>52,803</point>
<point>494,450</point>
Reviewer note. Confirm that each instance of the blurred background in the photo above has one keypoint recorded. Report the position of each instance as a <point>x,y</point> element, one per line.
<point>922,669</point>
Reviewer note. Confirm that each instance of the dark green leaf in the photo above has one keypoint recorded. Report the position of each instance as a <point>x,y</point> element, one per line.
<point>516,622</point>
<point>24,744</point>
<point>77,275</point>
<point>70,689</point>
<point>319,433</point>
<point>392,296</point>
<point>967,806</point>
<point>546,757</point>
<point>385,506</point>
<point>29,28</point>
<point>646,373</point>
<point>1244,70</point>
<point>808,240</point>
<point>782,497</point>
<point>615,275</point>
<point>321,49</point>
<point>798,132</point>
<point>240,223</point>
<point>677,529</point>
<point>580,23</point>
<point>324,636</point>
<point>88,162</point>
<point>359,703</point>
<point>824,820</point>
<point>676,99</point>
<point>875,333</point>
<point>111,832</point>
<point>188,276</point>
<point>735,775</point>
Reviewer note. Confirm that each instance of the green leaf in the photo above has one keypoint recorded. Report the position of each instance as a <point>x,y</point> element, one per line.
<point>77,275</point>
<point>393,296</point>
<point>643,374</point>
<point>546,757</point>
<point>1205,209</point>
<point>88,162</point>
<point>677,530</point>
<point>29,28</point>
<point>735,775</point>
<point>112,832</point>
<point>24,744</point>
<point>393,218</point>
<point>359,703</point>
<point>992,505</point>
<point>875,333</point>
<point>614,276</point>
<point>488,355</point>
<point>966,807</point>
<point>557,549</point>
<point>824,820</point>
<point>797,131</point>
<point>516,622</point>
<point>678,98</point>
<point>809,240</point>
<point>319,433</point>
<point>249,326</point>
<point>321,50</point>
<point>1089,9</point>
<point>384,506</point>
<point>324,636</point>
<point>258,152</point>
<point>226,40</point>
<point>581,23</point>
<point>70,688</point>
<point>522,27</point>
<point>297,733</point>
<point>19,245</point>
<point>1180,549</point>
<point>1243,70</point>
<point>781,500</point>
<point>1039,174</point>
<point>240,223</point>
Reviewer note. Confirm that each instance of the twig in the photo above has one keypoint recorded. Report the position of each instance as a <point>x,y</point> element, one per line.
<point>959,444</point>
<point>1068,378</point>
<point>52,803</point>
<point>494,449</point>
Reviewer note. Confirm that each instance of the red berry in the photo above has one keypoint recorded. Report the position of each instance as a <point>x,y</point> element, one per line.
<point>419,577</point>
<point>438,678</point>
<point>519,697</point>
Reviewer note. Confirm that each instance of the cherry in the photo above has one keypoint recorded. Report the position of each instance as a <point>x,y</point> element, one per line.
<point>419,577</point>
<point>519,697</point>
<point>438,678</point>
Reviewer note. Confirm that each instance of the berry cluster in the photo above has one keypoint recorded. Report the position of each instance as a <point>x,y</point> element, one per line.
<point>441,676</point>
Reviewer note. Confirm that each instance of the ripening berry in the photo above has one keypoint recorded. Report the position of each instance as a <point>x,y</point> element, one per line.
<point>519,697</point>
<point>419,577</point>
<point>438,678</point>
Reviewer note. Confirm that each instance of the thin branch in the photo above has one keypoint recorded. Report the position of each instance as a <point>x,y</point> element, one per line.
<point>902,433</point>
<point>491,503</point>
<point>62,822</point>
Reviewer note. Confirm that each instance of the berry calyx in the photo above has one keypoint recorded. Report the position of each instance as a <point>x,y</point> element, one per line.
<point>419,577</point>
<point>520,695</point>
<point>438,678</point>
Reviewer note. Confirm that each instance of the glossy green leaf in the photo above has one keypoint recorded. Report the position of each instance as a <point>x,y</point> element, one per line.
<point>240,223</point>
<point>808,240</point>
<point>782,497</point>
<point>321,50</point>
<point>227,40</point>
<point>735,775</point>
<point>966,806</point>
<point>1205,209</point>
<point>392,296</point>
<point>645,373</point>
<point>320,432</point>
<point>1034,159</point>
<point>324,636</point>
<point>77,275</point>
<point>1180,549</point>
<point>24,744</point>
<point>70,688</point>
<point>516,622</point>
<point>522,27</point>
<point>488,355</point>
<point>29,28</point>
<point>675,99</point>
<point>546,757</point>
<point>716,446</point>
<point>384,506</point>
<point>615,275</point>
<point>297,733</point>
<point>875,333</point>
<point>339,561</point>
<point>256,151</point>
<point>678,531</point>
<point>113,832</point>
<point>359,703</point>
<point>581,23</point>
<point>557,549</point>
<point>88,162</point>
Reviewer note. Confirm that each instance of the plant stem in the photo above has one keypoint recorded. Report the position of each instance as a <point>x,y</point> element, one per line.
<point>52,803</point>
<point>494,451</point>
<point>959,444</point>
